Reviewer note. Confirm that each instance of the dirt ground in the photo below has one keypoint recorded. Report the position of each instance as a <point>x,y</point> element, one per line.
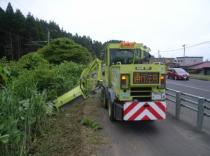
<point>72,132</point>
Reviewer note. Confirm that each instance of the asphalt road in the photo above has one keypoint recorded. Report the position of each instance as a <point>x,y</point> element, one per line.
<point>169,137</point>
<point>195,87</point>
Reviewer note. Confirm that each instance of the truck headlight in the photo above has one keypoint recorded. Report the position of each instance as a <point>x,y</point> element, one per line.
<point>124,81</point>
<point>162,81</point>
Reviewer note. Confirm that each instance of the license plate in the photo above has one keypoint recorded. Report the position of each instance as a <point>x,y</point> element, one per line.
<point>145,78</point>
<point>156,96</point>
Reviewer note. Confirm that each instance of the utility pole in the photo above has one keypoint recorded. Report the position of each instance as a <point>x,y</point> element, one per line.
<point>159,55</point>
<point>48,37</point>
<point>184,46</point>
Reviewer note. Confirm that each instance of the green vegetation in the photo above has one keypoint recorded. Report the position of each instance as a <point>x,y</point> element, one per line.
<point>65,49</point>
<point>30,86</point>
<point>21,35</point>
<point>67,135</point>
<point>200,77</point>
<point>86,121</point>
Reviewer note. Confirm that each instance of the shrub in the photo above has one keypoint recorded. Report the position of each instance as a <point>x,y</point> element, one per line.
<point>64,49</point>
<point>53,79</point>
<point>27,62</point>
<point>33,83</point>
<point>70,73</point>
<point>31,61</point>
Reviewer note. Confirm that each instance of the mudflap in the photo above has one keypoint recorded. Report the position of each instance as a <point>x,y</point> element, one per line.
<point>118,112</point>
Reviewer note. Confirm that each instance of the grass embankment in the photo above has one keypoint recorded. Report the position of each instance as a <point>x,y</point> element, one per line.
<point>29,87</point>
<point>73,132</point>
<point>200,77</point>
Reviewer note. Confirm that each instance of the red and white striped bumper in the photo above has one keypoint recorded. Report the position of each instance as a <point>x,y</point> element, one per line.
<point>135,111</point>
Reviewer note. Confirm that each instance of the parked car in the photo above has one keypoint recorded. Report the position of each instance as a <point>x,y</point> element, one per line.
<point>177,74</point>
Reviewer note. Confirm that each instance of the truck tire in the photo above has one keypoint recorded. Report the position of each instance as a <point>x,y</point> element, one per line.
<point>103,98</point>
<point>111,110</point>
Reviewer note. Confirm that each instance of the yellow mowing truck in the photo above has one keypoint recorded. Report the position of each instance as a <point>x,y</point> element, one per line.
<point>133,88</point>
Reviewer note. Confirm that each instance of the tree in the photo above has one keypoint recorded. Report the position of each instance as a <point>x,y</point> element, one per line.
<point>19,21</point>
<point>2,32</point>
<point>64,49</point>
<point>9,20</point>
<point>18,33</point>
<point>30,31</point>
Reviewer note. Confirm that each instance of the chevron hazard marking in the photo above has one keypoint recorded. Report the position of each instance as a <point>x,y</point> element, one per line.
<point>128,114</point>
<point>134,111</point>
<point>147,113</point>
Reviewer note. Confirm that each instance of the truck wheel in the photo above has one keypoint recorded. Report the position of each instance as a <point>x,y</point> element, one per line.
<point>111,110</point>
<point>103,98</point>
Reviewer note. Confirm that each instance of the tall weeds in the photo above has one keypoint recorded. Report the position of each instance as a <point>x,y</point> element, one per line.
<point>26,100</point>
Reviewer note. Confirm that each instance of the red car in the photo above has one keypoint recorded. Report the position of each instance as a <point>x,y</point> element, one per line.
<point>178,74</point>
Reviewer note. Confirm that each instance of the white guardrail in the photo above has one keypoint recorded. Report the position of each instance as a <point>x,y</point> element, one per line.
<point>195,103</point>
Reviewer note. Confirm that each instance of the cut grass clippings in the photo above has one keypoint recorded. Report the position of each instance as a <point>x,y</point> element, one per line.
<point>75,132</point>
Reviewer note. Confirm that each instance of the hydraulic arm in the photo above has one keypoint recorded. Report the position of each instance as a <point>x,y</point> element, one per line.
<point>89,79</point>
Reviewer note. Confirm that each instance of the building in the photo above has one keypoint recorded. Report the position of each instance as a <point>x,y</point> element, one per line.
<point>164,60</point>
<point>200,68</point>
<point>183,61</point>
<point>170,62</point>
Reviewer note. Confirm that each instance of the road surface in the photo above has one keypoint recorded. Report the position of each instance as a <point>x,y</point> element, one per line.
<point>195,87</point>
<point>160,138</point>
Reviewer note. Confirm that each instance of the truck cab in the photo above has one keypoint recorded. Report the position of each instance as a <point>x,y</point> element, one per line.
<point>134,88</point>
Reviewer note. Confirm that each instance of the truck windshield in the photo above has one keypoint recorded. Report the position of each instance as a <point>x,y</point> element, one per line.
<point>124,56</point>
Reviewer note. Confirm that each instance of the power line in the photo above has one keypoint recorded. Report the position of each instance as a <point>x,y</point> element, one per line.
<point>185,47</point>
<point>198,44</point>
<point>171,50</point>
<point>10,32</point>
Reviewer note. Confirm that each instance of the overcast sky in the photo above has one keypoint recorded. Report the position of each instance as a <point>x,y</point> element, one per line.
<point>160,24</point>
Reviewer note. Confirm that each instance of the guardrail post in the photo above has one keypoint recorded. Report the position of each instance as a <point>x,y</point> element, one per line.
<point>200,114</point>
<point>178,105</point>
